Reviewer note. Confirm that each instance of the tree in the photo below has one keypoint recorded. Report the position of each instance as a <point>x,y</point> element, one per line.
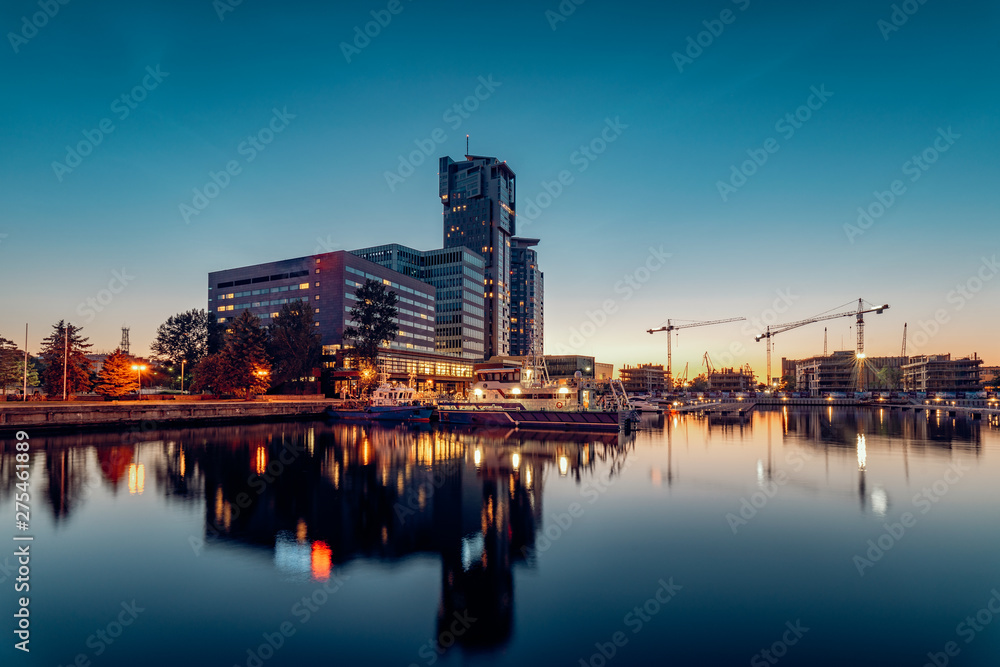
<point>10,369</point>
<point>241,367</point>
<point>787,383</point>
<point>294,346</point>
<point>64,335</point>
<point>117,378</point>
<point>187,337</point>
<point>374,315</point>
<point>699,384</point>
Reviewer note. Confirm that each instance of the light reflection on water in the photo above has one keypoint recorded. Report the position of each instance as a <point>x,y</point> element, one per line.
<point>547,540</point>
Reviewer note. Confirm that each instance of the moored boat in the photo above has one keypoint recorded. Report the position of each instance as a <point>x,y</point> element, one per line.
<point>388,403</point>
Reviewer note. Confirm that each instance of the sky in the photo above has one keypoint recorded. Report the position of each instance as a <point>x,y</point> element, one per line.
<point>689,161</point>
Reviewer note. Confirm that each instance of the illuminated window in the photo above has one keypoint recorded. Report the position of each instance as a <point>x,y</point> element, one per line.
<point>304,286</point>
<point>317,283</point>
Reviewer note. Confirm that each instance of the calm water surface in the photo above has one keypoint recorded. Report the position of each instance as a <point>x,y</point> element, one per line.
<point>823,537</point>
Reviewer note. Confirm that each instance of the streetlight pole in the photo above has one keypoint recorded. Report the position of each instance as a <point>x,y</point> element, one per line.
<point>182,376</point>
<point>139,369</point>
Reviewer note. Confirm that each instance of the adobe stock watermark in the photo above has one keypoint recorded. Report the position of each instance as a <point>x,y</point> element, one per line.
<point>103,638</point>
<point>959,297</point>
<point>453,116</point>
<point>779,649</point>
<point>223,7</point>
<point>581,158</point>
<point>562,12</point>
<point>2,237</point>
<point>786,126</point>
<point>968,629</point>
<point>91,306</point>
<point>363,36</point>
<point>432,650</point>
<point>31,25</point>
<point>122,107</point>
<point>303,610</point>
<point>249,149</point>
<point>696,44</point>
<point>591,491</point>
<point>913,168</point>
<point>751,507</point>
<point>899,16</point>
<point>627,287</point>
<point>635,620</point>
<point>924,502</point>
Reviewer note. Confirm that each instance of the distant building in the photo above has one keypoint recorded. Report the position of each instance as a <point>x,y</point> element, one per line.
<point>643,378</point>
<point>604,372</point>
<point>939,372</point>
<point>527,317</point>
<point>478,198</point>
<point>457,277</point>
<point>559,366</point>
<point>730,379</point>
<point>838,372</point>
<point>327,282</point>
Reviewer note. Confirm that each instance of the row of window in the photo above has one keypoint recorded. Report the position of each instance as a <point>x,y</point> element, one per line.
<point>273,290</point>
<point>262,279</point>
<point>403,288</point>
<point>402,299</point>
<point>399,322</point>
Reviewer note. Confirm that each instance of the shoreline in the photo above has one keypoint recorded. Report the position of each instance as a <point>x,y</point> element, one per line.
<point>52,417</point>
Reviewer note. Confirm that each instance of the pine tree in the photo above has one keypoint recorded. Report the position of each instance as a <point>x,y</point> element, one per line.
<point>242,366</point>
<point>374,315</point>
<point>10,369</point>
<point>294,345</point>
<point>117,378</point>
<point>77,365</point>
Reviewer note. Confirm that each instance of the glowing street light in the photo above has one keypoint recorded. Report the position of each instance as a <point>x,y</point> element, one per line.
<point>139,368</point>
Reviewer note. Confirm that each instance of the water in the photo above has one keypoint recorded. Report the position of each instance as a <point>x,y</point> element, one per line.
<point>801,532</point>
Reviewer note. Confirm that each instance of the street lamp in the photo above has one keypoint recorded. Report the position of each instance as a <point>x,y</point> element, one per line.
<point>139,369</point>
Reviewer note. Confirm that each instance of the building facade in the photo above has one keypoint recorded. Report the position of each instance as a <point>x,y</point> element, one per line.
<point>457,276</point>
<point>527,316</point>
<point>478,199</point>
<point>939,372</point>
<point>327,282</point>
<point>643,378</point>
<point>840,371</point>
<point>731,379</point>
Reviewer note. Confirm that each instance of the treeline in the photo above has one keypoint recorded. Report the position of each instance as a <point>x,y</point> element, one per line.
<point>241,358</point>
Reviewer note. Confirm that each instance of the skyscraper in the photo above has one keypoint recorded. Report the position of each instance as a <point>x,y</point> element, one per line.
<point>478,198</point>
<point>526,299</point>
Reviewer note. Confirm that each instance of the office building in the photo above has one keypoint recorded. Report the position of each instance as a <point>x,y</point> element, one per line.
<point>478,201</point>
<point>327,282</point>
<point>527,318</point>
<point>457,277</point>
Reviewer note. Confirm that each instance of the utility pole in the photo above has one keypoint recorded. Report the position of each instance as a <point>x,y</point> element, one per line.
<point>65,356</point>
<point>24,391</point>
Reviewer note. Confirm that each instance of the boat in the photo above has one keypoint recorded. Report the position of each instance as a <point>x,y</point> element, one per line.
<point>388,402</point>
<point>521,397</point>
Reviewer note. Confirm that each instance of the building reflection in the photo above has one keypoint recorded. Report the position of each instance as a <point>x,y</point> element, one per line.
<point>323,497</point>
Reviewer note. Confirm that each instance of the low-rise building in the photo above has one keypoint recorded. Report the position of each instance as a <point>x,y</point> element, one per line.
<point>643,378</point>
<point>840,371</point>
<point>939,372</point>
<point>730,379</point>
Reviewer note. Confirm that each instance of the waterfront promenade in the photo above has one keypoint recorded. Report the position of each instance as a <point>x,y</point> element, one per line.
<point>65,415</point>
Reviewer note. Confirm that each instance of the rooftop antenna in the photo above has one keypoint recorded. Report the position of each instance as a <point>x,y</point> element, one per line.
<point>466,144</point>
<point>124,344</point>
<point>824,341</point>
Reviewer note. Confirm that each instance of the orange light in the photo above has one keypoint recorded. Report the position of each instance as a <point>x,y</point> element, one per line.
<point>321,560</point>
<point>136,478</point>
<point>261,462</point>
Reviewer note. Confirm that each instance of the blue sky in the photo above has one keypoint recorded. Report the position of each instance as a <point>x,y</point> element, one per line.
<point>320,181</point>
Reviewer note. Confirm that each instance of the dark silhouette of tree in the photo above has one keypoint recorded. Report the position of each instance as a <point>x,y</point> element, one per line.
<point>77,364</point>
<point>374,315</point>
<point>241,367</point>
<point>294,346</point>
<point>189,337</point>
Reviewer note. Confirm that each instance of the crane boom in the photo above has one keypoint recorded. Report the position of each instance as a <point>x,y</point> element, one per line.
<point>673,327</point>
<point>788,326</point>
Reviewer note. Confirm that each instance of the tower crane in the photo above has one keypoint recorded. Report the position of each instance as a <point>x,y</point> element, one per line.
<point>859,314</point>
<point>673,327</point>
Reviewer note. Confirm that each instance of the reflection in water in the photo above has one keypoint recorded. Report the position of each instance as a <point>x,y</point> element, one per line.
<point>319,496</point>
<point>312,498</point>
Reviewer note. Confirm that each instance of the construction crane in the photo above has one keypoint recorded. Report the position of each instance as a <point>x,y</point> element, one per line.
<point>709,368</point>
<point>859,314</point>
<point>684,378</point>
<point>673,327</point>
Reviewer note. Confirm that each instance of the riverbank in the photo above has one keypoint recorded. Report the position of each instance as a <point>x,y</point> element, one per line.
<point>76,415</point>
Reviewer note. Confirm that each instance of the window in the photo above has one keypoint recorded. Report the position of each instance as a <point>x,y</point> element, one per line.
<point>317,283</point>
<point>316,297</point>
<point>317,310</point>
<point>315,324</point>
<point>304,286</point>
<point>317,270</point>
